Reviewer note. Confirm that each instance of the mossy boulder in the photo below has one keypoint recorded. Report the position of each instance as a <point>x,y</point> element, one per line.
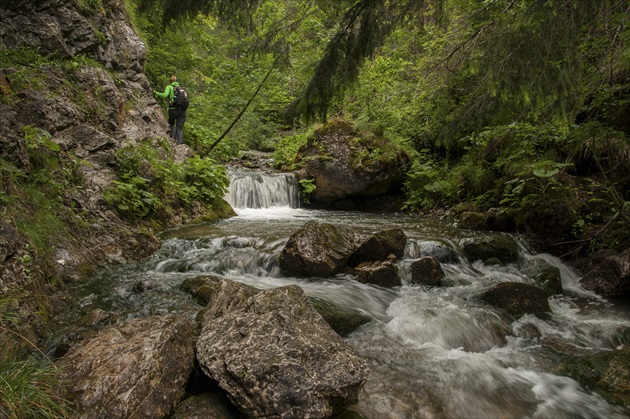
<point>342,320</point>
<point>348,163</point>
<point>380,246</point>
<point>517,299</point>
<point>502,247</point>
<point>317,249</point>
<point>607,371</point>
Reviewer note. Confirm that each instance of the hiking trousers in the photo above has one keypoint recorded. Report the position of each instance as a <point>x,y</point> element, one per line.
<point>176,119</point>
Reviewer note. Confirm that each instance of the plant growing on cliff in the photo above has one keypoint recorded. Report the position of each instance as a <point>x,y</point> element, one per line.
<point>151,180</point>
<point>308,187</point>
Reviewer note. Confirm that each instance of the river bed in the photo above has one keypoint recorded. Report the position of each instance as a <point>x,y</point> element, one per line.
<point>432,351</point>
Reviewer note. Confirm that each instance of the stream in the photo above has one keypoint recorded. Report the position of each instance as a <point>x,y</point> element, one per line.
<point>432,351</point>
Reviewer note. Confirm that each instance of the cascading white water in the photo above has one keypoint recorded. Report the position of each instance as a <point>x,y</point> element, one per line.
<point>433,351</point>
<point>253,190</point>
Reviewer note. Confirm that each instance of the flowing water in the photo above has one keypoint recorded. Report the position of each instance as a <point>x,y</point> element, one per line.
<point>433,352</point>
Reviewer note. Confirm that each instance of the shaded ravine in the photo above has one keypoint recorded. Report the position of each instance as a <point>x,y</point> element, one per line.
<point>433,352</point>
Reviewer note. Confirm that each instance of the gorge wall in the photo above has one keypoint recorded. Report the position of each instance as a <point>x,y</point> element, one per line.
<point>71,73</point>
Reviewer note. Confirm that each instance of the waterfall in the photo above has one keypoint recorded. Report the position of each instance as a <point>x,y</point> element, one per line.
<point>254,189</point>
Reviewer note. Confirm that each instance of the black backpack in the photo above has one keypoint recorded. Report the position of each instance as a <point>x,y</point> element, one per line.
<point>180,98</point>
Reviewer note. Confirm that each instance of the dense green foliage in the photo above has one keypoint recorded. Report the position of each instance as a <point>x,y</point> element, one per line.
<point>517,105</point>
<point>150,182</point>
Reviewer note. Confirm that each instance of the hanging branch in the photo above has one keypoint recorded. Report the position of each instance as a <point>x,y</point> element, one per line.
<point>218,140</point>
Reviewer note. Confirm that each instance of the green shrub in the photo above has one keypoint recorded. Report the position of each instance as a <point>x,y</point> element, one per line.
<point>207,181</point>
<point>426,184</point>
<point>308,187</point>
<point>132,197</point>
<point>285,154</point>
<point>150,179</point>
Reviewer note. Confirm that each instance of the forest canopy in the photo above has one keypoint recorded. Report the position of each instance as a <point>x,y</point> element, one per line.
<point>499,103</point>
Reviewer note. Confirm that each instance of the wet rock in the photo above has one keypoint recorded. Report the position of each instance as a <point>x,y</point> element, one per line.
<point>611,277</point>
<point>427,271</point>
<point>500,219</point>
<point>471,220</point>
<point>606,371</point>
<point>517,299</point>
<point>97,317</point>
<point>135,369</point>
<point>341,319</point>
<point>317,249</point>
<point>275,355</point>
<point>438,250</point>
<point>384,274</point>
<point>347,164</point>
<point>526,330</point>
<point>202,288</point>
<point>206,406</point>
<point>379,246</point>
<point>546,275</point>
<point>483,248</point>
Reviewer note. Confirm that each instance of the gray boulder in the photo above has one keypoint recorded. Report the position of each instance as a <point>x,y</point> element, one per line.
<point>137,369</point>
<point>380,246</point>
<point>517,299</point>
<point>438,250</point>
<point>317,249</point>
<point>427,271</point>
<point>275,356</point>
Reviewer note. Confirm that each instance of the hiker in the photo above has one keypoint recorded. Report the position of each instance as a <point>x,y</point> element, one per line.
<point>176,112</point>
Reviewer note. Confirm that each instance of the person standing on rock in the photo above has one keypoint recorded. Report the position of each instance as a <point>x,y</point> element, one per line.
<point>176,111</point>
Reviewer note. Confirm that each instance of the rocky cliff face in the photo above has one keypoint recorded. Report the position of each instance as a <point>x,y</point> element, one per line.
<point>74,71</point>
<point>90,111</point>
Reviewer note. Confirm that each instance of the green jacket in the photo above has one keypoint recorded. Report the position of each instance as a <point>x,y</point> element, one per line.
<point>169,92</point>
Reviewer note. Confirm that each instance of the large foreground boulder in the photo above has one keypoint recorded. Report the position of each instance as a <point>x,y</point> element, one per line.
<point>137,369</point>
<point>317,249</point>
<point>275,356</point>
<point>346,163</point>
